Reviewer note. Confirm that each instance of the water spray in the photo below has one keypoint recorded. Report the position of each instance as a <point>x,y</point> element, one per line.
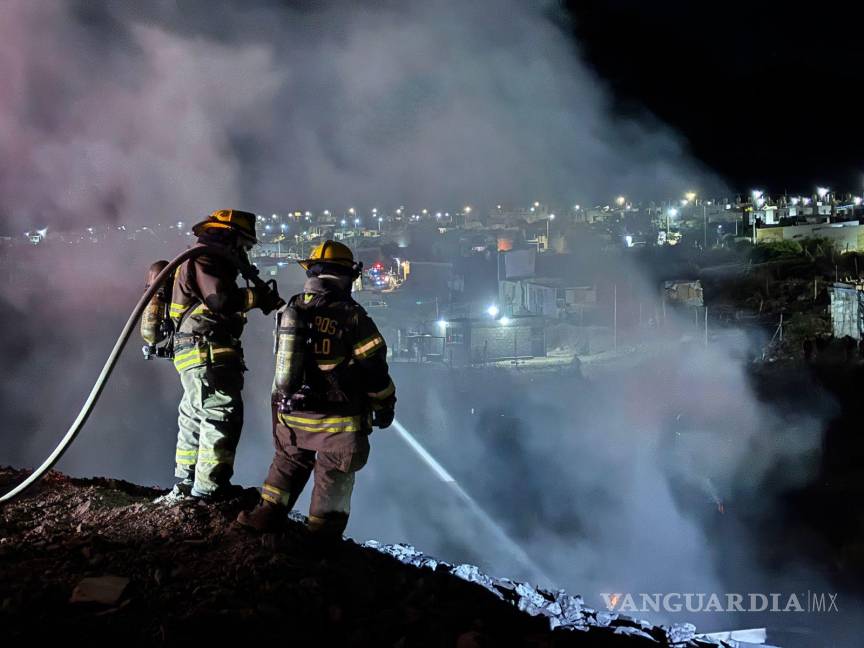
<point>511,546</point>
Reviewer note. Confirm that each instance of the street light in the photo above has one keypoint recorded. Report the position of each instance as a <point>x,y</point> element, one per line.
<point>669,214</point>
<point>504,321</point>
<point>548,220</point>
<point>492,311</point>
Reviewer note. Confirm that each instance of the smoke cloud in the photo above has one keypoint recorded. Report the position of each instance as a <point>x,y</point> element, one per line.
<point>122,114</point>
<point>140,113</point>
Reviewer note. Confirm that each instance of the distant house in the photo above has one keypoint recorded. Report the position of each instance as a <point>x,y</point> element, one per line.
<point>477,341</point>
<point>683,292</point>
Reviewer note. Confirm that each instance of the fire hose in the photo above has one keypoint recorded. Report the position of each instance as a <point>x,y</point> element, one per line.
<point>249,272</point>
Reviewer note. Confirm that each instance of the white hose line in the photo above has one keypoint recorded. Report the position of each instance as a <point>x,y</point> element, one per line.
<point>84,414</point>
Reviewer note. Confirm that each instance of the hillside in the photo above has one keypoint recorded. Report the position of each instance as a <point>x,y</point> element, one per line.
<point>94,560</point>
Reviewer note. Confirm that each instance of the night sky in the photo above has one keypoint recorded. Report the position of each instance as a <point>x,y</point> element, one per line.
<point>766,93</point>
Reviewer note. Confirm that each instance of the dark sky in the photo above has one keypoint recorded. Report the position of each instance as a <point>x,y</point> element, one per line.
<point>767,93</point>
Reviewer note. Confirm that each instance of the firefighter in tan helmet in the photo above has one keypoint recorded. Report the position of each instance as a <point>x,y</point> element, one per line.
<point>332,385</point>
<point>208,311</point>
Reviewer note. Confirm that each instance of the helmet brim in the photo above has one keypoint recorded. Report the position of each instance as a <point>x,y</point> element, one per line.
<point>204,225</point>
<point>308,263</point>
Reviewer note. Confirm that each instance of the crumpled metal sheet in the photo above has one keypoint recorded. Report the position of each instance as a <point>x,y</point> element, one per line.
<point>564,611</point>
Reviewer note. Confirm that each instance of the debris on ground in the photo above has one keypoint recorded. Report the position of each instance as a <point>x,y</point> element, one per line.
<point>96,560</point>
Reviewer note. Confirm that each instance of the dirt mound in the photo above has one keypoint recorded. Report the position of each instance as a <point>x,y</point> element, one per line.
<point>94,559</point>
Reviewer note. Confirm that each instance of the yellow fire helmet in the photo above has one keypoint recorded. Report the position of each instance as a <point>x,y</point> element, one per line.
<point>330,252</point>
<point>242,222</point>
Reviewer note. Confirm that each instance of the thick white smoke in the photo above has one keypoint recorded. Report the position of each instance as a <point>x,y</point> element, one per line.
<point>141,113</point>
<point>131,114</point>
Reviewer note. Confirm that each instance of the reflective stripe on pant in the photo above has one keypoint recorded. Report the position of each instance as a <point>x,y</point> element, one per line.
<point>210,420</point>
<point>333,485</point>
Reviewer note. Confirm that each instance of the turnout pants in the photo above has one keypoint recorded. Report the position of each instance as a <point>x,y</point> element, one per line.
<point>334,479</point>
<point>210,420</point>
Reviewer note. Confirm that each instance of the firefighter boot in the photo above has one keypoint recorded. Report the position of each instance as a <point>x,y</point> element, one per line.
<point>266,517</point>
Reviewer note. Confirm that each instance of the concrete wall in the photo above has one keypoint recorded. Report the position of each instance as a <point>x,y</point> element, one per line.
<point>846,237</point>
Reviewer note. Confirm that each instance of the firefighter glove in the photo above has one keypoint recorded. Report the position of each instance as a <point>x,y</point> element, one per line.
<point>267,297</point>
<point>382,418</point>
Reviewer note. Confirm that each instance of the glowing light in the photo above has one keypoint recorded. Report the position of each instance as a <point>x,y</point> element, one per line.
<point>352,211</point>
<point>690,195</point>
<point>467,209</point>
<point>755,194</point>
<point>536,203</point>
<point>620,200</point>
<point>822,191</point>
<point>673,212</point>
<point>492,311</point>
<point>628,240</point>
<point>504,321</point>
<point>551,216</point>
<point>576,207</point>
<point>856,200</point>
<point>442,323</point>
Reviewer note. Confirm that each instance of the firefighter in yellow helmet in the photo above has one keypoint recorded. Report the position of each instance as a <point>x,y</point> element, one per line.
<point>332,385</point>
<point>208,310</point>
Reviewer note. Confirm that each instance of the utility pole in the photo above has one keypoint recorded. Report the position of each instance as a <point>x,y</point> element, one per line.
<point>615,317</point>
<point>704,227</point>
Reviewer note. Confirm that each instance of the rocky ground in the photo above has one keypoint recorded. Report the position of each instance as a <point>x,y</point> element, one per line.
<point>94,560</point>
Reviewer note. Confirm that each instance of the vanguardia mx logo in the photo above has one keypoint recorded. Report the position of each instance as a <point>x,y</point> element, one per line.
<point>816,602</point>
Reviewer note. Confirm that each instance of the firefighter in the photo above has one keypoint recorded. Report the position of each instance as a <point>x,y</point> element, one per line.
<point>332,385</point>
<point>208,310</point>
